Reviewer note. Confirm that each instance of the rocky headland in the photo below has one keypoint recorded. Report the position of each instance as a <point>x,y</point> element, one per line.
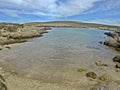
<point>17,33</point>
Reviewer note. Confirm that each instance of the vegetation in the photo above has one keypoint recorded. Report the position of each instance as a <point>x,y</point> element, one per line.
<point>19,25</point>
<point>11,27</point>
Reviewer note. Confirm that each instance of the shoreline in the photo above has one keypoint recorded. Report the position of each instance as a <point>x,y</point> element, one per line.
<point>17,33</point>
<point>17,81</point>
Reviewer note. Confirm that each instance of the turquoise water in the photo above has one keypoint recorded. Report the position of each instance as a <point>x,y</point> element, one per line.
<point>60,50</point>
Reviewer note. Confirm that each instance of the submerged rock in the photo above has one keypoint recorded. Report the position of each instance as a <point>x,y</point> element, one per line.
<point>0,48</point>
<point>81,70</point>
<point>116,58</point>
<point>99,63</point>
<point>101,42</point>
<point>91,75</point>
<point>104,77</point>
<point>117,65</point>
<point>8,47</point>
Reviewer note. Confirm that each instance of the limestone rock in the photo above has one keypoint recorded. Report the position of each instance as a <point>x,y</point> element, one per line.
<point>91,75</point>
<point>99,63</point>
<point>104,77</point>
<point>116,58</point>
<point>81,70</point>
<point>117,65</point>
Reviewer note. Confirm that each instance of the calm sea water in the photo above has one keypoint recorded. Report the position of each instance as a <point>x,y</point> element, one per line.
<point>62,50</point>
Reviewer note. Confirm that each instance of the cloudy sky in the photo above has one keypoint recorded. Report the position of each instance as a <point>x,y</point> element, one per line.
<point>98,11</point>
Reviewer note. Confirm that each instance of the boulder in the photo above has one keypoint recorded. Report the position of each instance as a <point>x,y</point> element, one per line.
<point>99,63</point>
<point>117,65</point>
<point>113,40</point>
<point>116,58</point>
<point>104,77</point>
<point>110,34</point>
<point>91,75</point>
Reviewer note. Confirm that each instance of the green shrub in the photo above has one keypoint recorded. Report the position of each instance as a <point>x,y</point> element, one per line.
<point>19,25</point>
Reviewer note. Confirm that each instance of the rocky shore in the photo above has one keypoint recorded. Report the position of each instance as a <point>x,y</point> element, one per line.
<point>17,33</point>
<point>13,79</point>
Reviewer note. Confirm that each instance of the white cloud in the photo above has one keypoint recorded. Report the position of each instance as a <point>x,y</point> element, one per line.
<point>110,4</point>
<point>75,7</point>
<point>104,5</point>
<point>107,21</point>
<point>54,8</point>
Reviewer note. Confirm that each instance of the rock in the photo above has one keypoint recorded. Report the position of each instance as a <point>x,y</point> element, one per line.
<point>111,42</point>
<point>117,49</point>
<point>8,47</point>
<point>110,34</point>
<point>2,83</point>
<point>117,65</point>
<point>91,75</point>
<point>99,63</point>
<point>114,39</point>
<point>0,48</point>
<point>81,70</point>
<point>101,42</point>
<point>104,77</point>
<point>117,70</point>
<point>105,65</point>
<point>116,58</point>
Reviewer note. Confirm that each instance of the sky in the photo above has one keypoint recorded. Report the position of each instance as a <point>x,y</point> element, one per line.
<point>95,11</point>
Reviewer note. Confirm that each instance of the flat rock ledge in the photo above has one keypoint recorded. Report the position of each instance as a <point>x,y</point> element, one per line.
<point>19,35</point>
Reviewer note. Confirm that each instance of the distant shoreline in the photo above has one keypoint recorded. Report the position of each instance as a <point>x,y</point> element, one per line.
<point>11,33</point>
<point>74,24</point>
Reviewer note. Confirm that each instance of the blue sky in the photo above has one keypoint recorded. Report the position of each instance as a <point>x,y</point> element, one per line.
<point>95,11</point>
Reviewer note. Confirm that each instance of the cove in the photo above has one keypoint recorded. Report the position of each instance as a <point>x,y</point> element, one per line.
<point>59,53</point>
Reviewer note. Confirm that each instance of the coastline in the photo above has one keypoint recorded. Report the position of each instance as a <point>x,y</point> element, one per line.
<point>17,33</point>
<point>16,81</point>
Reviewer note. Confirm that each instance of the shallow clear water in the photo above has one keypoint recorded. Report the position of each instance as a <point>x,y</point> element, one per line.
<point>62,50</point>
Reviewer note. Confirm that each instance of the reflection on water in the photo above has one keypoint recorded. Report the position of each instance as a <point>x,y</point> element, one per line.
<point>59,51</point>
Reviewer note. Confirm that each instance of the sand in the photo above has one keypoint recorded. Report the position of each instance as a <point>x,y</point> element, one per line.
<point>19,80</point>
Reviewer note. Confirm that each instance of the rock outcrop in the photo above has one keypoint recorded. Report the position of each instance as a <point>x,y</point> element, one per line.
<point>116,58</point>
<point>19,33</point>
<point>113,40</point>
